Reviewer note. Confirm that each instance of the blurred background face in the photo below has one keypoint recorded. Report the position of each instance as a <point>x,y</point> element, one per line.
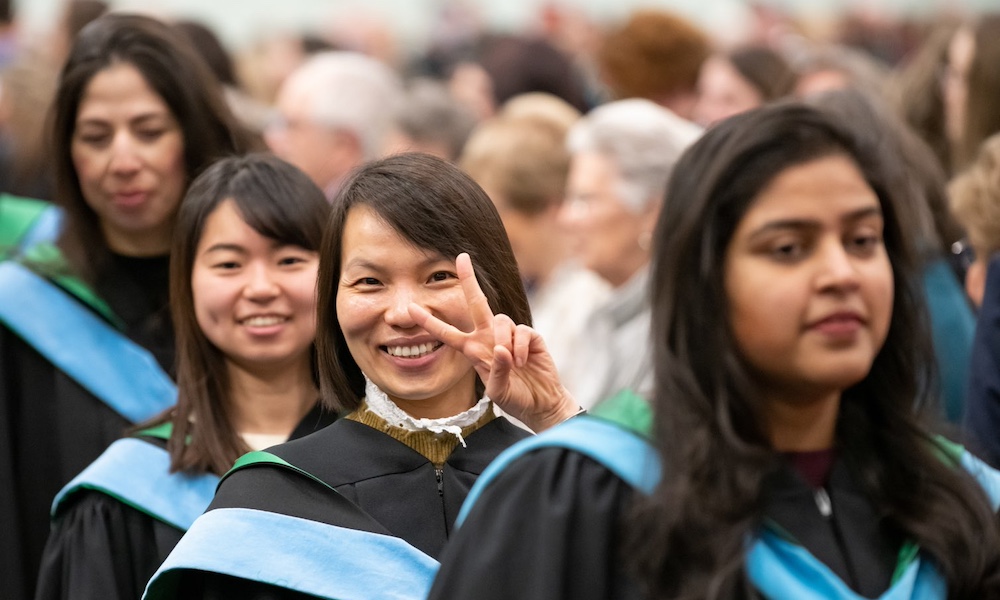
<point>604,232</point>
<point>300,140</point>
<point>722,92</point>
<point>530,236</point>
<point>128,152</point>
<point>817,82</point>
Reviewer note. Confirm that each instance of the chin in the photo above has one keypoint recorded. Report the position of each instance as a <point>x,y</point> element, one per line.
<point>844,378</point>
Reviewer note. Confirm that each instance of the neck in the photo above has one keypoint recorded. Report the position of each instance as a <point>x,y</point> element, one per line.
<point>548,250</point>
<point>626,268</point>
<point>802,424</point>
<point>271,402</point>
<point>434,409</point>
<point>460,398</point>
<point>149,243</point>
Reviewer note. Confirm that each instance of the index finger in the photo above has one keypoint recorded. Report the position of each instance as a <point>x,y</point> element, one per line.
<point>440,330</point>
<point>479,306</point>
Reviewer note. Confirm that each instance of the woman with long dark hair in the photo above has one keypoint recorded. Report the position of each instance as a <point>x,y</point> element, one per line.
<point>244,260</point>
<point>411,354</point>
<point>790,455</point>
<point>86,344</point>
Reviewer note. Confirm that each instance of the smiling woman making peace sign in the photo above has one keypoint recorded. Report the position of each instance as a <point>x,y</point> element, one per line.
<point>408,344</point>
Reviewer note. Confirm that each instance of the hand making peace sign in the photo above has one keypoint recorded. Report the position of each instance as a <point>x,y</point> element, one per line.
<point>511,359</point>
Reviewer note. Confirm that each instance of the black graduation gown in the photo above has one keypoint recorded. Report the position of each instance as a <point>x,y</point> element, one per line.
<point>982,415</point>
<point>103,549</point>
<point>51,428</point>
<point>549,527</point>
<point>396,488</point>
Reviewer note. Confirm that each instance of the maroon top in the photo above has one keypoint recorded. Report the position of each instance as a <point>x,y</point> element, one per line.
<point>814,466</point>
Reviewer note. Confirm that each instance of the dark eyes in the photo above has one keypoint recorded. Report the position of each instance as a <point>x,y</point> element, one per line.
<point>865,243</point>
<point>435,277</point>
<point>150,134</point>
<point>442,276</point>
<point>93,139</point>
<point>788,251</point>
<point>793,250</point>
<point>99,138</point>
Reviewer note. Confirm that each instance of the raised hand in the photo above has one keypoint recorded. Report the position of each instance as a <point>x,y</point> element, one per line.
<point>511,359</point>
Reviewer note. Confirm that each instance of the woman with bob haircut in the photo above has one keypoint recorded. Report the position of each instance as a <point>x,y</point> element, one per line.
<point>408,343</point>
<point>787,453</point>
<point>243,277</point>
<point>85,335</point>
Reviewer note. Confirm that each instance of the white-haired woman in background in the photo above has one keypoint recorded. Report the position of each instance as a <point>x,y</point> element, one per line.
<point>622,156</point>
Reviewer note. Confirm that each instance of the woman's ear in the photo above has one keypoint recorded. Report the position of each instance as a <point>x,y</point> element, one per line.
<point>975,281</point>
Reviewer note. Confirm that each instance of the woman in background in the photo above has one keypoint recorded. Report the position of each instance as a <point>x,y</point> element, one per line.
<point>736,81</point>
<point>86,344</point>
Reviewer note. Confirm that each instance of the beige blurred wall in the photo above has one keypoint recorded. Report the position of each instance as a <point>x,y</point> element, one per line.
<point>240,22</point>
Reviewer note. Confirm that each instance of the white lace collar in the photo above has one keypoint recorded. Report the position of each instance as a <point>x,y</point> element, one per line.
<point>380,404</point>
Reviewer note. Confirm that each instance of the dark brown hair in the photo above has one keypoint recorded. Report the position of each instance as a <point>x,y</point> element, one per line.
<point>435,206</point>
<point>688,540</point>
<point>178,75</point>
<point>925,212</point>
<point>210,48</point>
<point>279,202</point>
<point>915,90</point>
<point>982,118</point>
<point>766,70</point>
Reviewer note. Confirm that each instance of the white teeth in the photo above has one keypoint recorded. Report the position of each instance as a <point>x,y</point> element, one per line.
<point>411,351</point>
<point>263,321</point>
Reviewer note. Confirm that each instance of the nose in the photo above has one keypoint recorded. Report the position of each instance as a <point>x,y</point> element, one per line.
<point>838,268</point>
<point>276,137</point>
<point>571,212</point>
<point>397,313</point>
<point>261,285</point>
<point>125,158</point>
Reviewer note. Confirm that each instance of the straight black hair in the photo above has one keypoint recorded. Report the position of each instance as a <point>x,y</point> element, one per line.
<point>279,202</point>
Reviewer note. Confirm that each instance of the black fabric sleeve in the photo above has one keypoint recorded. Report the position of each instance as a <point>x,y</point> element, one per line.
<point>982,412</point>
<point>51,428</point>
<point>100,548</point>
<point>216,586</point>
<point>547,528</point>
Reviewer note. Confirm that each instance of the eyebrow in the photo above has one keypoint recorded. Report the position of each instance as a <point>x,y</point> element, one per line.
<point>367,264</point>
<point>222,247</point>
<point>853,216</point>
<point>136,120</point>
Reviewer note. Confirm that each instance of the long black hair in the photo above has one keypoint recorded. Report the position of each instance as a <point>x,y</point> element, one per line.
<point>688,539</point>
<point>279,202</point>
